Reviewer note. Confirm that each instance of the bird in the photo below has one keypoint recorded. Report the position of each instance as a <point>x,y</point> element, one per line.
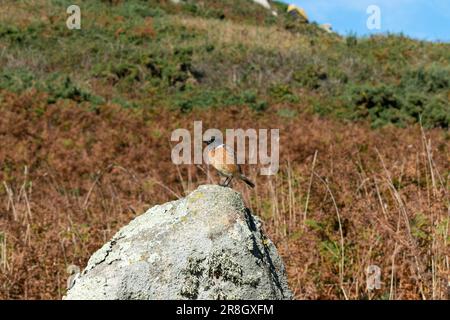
<point>223,159</point>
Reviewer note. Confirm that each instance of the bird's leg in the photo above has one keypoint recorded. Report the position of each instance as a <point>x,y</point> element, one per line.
<point>226,182</point>
<point>229,181</point>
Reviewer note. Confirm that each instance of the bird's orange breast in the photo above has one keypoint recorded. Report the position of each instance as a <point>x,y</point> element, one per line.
<point>223,160</point>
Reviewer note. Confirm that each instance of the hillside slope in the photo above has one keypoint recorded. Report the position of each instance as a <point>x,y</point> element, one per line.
<point>220,53</point>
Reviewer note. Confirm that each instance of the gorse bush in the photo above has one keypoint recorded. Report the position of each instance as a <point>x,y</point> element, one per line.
<point>56,86</point>
<point>432,79</point>
<point>436,113</point>
<point>62,87</point>
<point>382,105</point>
<point>20,35</point>
<point>386,104</point>
<point>283,93</point>
<point>310,76</point>
<point>17,80</point>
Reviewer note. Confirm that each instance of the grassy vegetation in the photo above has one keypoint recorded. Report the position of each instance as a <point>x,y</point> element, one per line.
<point>85,115</point>
<point>152,53</point>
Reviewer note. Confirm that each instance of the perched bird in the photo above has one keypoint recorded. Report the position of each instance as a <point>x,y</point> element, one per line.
<point>223,159</point>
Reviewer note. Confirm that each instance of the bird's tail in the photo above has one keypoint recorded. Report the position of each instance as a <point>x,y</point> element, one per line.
<point>247,181</point>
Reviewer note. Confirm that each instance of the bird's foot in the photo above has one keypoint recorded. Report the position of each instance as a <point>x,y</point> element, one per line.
<point>226,183</point>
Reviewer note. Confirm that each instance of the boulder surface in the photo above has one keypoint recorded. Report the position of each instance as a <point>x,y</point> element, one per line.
<point>207,245</point>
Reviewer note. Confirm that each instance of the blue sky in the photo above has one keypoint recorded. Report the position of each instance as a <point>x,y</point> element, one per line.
<point>420,19</point>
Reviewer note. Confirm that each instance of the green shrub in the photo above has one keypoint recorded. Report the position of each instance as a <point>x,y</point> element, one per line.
<point>21,35</point>
<point>117,72</point>
<point>62,87</point>
<point>431,79</point>
<point>351,40</point>
<point>16,80</point>
<point>259,106</point>
<point>436,113</point>
<point>386,104</point>
<point>283,93</point>
<point>381,104</point>
<point>310,76</point>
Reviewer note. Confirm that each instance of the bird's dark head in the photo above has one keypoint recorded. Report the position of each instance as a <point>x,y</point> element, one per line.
<point>211,140</point>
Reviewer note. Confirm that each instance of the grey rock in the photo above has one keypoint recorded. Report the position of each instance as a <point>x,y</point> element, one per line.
<point>264,3</point>
<point>205,246</point>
